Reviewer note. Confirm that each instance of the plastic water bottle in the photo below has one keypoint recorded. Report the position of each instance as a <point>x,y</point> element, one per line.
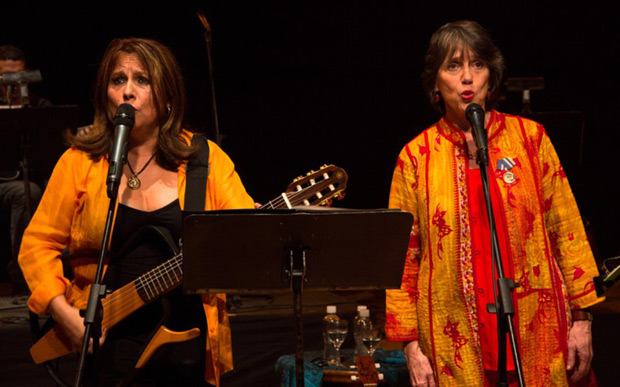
<point>330,354</point>
<point>360,321</point>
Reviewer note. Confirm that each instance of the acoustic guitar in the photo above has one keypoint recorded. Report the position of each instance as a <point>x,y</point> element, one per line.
<point>316,188</point>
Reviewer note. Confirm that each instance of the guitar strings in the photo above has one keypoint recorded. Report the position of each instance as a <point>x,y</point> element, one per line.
<point>147,280</point>
<point>126,308</point>
<point>279,201</point>
<point>159,272</point>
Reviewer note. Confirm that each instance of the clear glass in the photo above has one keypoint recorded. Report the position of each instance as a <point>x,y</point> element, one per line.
<point>371,337</point>
<point>336,333</point>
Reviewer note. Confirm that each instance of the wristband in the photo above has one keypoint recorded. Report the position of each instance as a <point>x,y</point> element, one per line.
<point>581,315</point>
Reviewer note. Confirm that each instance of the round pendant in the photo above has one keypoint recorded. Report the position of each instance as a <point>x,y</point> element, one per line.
<point>133,182</point>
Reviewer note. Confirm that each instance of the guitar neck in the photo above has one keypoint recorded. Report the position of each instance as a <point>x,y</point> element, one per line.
<point>143,290</point>
<point>285,200</point>
<point>160,280</point>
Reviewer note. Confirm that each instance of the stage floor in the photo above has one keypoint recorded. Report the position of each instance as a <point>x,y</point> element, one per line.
<point>263,330</point>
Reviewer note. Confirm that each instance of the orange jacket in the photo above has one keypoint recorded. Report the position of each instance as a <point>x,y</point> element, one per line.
<point>549,254</point>
<point>72,213</point>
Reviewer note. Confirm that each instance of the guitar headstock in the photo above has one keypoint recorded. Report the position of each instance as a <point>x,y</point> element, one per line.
<point>317,187</point>
<point>366,371</point>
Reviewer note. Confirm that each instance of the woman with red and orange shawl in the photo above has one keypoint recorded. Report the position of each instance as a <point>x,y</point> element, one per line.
<point>440,310</point>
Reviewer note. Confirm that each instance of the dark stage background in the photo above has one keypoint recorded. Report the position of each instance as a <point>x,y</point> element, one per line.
<point>309,83</point>
<point>338,81</point>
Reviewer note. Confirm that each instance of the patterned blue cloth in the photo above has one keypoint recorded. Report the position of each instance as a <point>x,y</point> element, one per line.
<point>393,367</point>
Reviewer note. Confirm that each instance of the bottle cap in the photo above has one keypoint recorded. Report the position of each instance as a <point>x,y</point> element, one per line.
<point>361,307</point>
<point>364,313</point>
<point>331,309</point>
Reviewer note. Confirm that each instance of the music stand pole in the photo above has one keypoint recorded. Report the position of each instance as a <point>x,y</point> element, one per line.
<point>297,258</point>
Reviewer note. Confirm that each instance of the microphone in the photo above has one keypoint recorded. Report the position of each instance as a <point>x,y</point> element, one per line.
<point>123,122</point>
<point>22,79</point>
<point>475,115</point>
<point>18,77</point>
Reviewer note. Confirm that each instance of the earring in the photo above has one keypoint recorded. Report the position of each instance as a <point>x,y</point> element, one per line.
<point>488,94</point>
<point>168,109</point>
<point>437,96</point>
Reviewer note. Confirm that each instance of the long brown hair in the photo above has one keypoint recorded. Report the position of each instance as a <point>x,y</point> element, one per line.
<point>465,35</point>
<point>169,99</point>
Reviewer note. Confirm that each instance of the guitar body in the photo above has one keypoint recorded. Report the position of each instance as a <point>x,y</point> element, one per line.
<point>316,188</point>
<point>54,344</point>
<point>149,334</point>
<point>163,343</point>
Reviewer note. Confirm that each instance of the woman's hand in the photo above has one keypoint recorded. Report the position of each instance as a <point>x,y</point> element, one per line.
<point>71,323</point>
<point>579,349</point>
<point>420,370</point>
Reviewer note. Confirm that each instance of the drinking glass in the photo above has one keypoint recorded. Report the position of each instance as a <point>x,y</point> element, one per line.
<point>336,333</point>
<point>371,337</point>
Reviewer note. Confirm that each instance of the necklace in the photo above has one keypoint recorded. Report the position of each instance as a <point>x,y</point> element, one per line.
<point>134,182</point>
<point>471,154</point>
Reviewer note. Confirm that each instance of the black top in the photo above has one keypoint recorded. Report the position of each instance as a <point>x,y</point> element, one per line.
<point>173,364</point>
<point>147,253</point>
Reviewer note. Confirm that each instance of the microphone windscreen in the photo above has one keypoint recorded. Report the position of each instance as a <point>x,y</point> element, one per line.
<point>124,115</point>
<point>472,110</point>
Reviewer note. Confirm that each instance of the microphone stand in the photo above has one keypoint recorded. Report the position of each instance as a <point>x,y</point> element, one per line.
<point>93,314</point>
<point>503,307</point>
<point>207,34</point>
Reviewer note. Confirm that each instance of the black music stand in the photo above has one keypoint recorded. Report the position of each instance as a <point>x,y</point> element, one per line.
<point>32,142</point>
<point>257,250</point>
<point>37,132</point>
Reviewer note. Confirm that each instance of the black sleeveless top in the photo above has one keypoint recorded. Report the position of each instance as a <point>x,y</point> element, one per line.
<point>180,363</point>
<point>147,254</point>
